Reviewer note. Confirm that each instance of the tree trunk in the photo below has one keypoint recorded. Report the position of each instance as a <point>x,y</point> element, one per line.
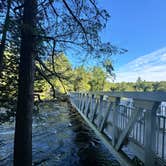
<point>4,33</point>
<point>23,128</point>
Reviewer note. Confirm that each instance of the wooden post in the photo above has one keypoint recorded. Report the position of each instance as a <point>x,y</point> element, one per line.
<point>104,121</point>
<point>115,117</point>
<point>100,111</point>
<point>83,102</point>
<point>79,98</point>
<point>80,102</point>
<point>87,107</point>
<point>95,110</point>
<point>150,135</point>
<point>98,106</point>
<point>91,106</point>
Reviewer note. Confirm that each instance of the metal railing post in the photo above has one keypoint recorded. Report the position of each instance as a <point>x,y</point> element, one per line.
<point>115,118</point>
<point>150,135</point>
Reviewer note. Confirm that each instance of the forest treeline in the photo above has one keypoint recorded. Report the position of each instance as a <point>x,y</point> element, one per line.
<point>71,78</point>
<point>96,78</point>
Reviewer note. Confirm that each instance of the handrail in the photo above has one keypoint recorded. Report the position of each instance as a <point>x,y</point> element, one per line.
<point>141,128</point>
<point>148,96</point>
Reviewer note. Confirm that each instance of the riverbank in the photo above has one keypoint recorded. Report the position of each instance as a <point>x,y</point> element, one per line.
<point>60,137</point>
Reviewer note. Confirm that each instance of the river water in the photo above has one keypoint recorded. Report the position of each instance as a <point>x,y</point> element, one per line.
<point>60,138</point>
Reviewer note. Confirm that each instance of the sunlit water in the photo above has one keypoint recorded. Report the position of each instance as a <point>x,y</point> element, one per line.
<point>60,138</point>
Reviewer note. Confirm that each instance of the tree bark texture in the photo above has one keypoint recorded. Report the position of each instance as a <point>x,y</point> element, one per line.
<point>23,128</point>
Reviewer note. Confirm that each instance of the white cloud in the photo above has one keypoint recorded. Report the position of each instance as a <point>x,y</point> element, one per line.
<point>150,67</point>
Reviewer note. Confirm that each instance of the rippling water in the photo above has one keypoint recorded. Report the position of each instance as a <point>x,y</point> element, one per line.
<point>60,137</point>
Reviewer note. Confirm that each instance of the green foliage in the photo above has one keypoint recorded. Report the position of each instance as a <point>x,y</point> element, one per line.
<point>60,79</point>
<point>92,79</point>
<point>63,68</point>
<point>8,80</point>
<point>139,86</point>
<point>71,79</point>
<point>98,79</point>
<point>81,79</point>
<point>77,79</point>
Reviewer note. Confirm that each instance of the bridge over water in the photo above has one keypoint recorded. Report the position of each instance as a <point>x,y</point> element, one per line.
<point>129,124</point>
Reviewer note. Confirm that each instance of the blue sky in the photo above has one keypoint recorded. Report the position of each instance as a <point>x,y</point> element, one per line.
<point>140,27</point>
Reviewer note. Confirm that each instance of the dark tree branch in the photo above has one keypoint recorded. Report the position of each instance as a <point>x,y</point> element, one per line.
<point>58,75</point>
<point>54,73</point>
<point>53,8</point>
<point>46,78</point>
<point>76,19</point>
<point>38,96</point>
<point>53,54</point>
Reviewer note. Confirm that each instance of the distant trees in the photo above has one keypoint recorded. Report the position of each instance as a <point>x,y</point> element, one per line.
<point>95,78</point>
<point>142,85</point>
<point>139,86</point>
<point>98,79</point>
<point>81,79</point>
<point>72,79</point>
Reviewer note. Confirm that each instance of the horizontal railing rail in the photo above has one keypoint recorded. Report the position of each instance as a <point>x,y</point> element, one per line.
<point>148,96</point>
<point>131,121</point>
